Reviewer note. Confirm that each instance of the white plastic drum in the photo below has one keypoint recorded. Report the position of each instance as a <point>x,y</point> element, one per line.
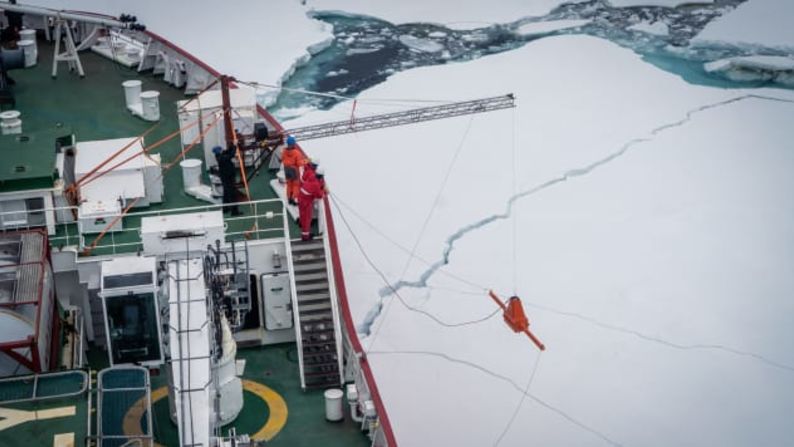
<point>9,116</point>
<point>333,405</point>
<point>133,53</point>
<point>132,92</point>
<point>10,124</point>
<point>191,173</point>
<point>27,34</point>
<point>30,34</point>
<point>150,100</point>
<point>28,47</point>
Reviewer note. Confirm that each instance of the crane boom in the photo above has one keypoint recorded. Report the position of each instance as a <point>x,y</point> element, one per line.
<point>401,118</point>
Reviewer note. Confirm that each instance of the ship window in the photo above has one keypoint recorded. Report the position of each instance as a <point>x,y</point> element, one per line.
<point>132,325</point>
<point>128,280</point>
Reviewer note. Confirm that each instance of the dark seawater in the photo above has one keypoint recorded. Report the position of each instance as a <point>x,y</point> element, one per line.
<point>366,50</point>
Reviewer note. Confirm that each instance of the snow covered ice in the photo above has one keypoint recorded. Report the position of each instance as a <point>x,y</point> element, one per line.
<point>653,224</point>
<point>779,69</point>
<point>654,233</point>
<point>658,28</point>
<point>755,23</point>
<point>549,26</point>
<point>418,44</point>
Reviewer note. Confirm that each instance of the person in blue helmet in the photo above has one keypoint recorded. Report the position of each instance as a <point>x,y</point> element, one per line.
<point>228,175</point>
<point>293,160</point>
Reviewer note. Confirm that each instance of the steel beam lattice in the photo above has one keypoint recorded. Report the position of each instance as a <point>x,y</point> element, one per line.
<point>401,118</point>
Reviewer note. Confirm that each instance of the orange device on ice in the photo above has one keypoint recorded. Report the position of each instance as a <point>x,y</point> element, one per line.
<point>515,318</point>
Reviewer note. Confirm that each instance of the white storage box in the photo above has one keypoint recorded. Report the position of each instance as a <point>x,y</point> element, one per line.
<point>176,233</point>
<point>95,216</point>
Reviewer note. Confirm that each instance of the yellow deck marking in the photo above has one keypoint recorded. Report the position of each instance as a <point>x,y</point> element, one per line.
<point>277,406</point>
<point>10,417</point>
<point>63,440</point>
<point>274,401</point>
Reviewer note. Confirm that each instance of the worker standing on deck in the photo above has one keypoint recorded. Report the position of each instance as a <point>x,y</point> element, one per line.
<point>310,190</point>
<point>228,174</point>
<point>292,159</point>
<point>11,32</point>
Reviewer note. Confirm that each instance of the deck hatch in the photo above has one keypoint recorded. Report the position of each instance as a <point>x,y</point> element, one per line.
<point>122,390</point>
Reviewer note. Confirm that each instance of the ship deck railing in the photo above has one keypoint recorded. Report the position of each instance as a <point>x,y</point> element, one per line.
<point>258,220</point>
<point>38,387</point>
<point>124,407</point>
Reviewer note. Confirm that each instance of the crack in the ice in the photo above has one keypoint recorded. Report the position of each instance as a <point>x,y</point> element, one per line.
<point>450,242</point>
<point>511,382</point>
<point>663,342</point>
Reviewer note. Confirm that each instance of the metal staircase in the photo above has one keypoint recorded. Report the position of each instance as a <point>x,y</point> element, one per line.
<point>316,316</point>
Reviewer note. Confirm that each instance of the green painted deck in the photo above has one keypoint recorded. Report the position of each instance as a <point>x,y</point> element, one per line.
<point>94,109</point>
<point>275,367</point>
<point>38,423</point>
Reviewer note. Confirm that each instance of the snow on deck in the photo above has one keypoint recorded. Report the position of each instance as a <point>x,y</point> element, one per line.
<point>653,251</point>
<point>765,23</point>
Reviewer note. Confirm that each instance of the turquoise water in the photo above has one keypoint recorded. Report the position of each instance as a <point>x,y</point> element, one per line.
<point>367,50</point>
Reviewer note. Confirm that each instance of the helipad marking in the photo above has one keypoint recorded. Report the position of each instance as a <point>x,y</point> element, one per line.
<point>11,417</point>
<point>63,440</point>
<point>274,401</point>
<point>277,406</point>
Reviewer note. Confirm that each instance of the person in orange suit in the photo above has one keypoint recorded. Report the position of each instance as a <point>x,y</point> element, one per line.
<point>310,190</point>
<point>292,160</point>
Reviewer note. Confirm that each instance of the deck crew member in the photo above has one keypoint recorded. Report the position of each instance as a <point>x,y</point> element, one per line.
<point>14,19</point>
<point>293,160</point>
<point>310,190</point>
<point>228,174</point>
<point>310,167</point>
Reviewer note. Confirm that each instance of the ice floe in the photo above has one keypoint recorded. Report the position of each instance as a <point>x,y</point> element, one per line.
<point>755,23</point>
<point>657,28</point>
<point>419,44</point>
<point>778,69</point>
<point>549,26</point>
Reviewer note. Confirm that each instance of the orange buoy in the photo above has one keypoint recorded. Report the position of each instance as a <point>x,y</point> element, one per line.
<point>515,317</point>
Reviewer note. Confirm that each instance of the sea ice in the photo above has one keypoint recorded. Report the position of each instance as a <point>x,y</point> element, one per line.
<point>455,15</point>
<point>652,250</point>
<point>779,69</point>
<point>658,28</point>
<point>423,45</point>
<point>550,26</point>
<point>665,3</point>
<point>755,23</point>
